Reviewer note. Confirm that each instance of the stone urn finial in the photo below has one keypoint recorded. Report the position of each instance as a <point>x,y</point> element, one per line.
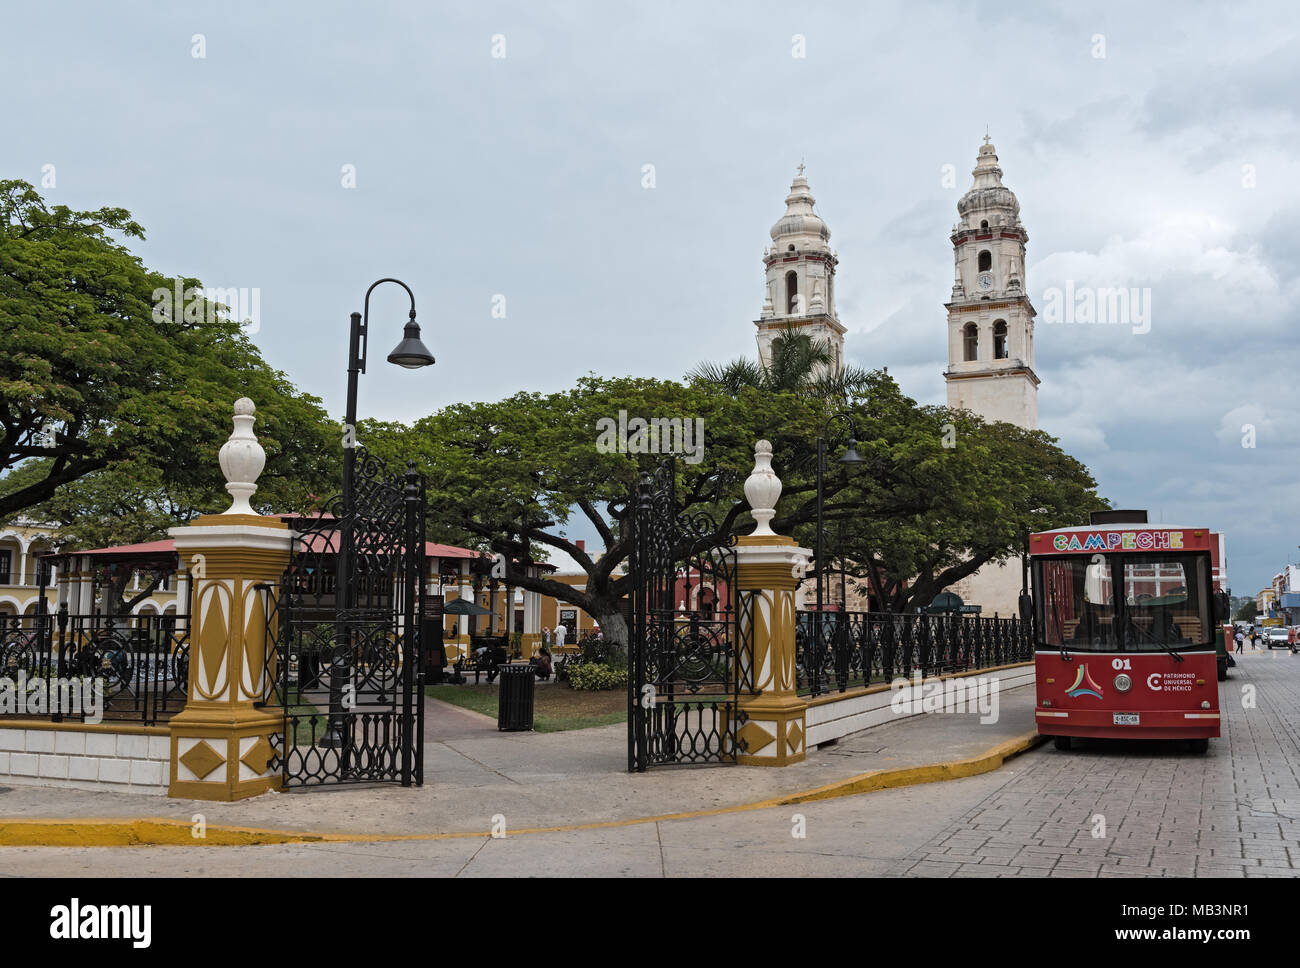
<point>242,459</point>
<point>762,488</point>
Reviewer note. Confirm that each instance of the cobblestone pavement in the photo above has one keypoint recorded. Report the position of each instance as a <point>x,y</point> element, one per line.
<point>1234,812</point>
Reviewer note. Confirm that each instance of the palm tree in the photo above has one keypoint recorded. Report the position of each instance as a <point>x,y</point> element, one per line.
<point>800,363</point>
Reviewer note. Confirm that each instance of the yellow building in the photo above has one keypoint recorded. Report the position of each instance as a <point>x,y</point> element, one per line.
<point>75,578</point>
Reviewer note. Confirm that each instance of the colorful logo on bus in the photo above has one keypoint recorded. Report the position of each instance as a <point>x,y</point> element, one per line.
<point>1083,685</point>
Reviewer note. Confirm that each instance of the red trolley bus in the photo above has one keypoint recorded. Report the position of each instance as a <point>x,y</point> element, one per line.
<point>1125,625</point>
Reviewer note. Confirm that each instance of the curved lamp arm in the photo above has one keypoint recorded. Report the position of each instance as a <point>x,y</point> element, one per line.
<point>365,318</point>
<point>853,433</point>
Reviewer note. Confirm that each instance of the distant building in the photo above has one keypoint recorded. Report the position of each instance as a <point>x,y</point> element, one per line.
<point>1286,594</point>
<point>1265,601</point>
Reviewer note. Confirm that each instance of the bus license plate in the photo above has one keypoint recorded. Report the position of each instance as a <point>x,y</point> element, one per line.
<point>1125,719</point>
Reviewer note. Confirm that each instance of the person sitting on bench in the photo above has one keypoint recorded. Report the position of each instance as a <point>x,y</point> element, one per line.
<point>542,662</point>
<point>494,655</point>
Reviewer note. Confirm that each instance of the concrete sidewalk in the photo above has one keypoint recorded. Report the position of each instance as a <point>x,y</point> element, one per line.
<point>549,781</point>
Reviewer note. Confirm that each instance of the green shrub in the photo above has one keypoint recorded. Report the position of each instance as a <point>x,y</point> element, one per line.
<point>594,676</point>
<point>602,651</point>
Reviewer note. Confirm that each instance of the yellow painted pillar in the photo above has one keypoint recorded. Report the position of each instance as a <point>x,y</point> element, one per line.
<point>221,745</point>
<point>769,568</point>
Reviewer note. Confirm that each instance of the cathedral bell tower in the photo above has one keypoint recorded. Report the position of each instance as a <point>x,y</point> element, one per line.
<point>800,278</point>
<point>990,319</point>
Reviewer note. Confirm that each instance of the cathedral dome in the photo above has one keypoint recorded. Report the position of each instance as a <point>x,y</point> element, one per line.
<point>800,222</point>
<point>988,193</point>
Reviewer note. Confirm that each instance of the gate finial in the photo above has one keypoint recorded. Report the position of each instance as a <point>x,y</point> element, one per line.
<point>762,488</point>
<point>242,459</point>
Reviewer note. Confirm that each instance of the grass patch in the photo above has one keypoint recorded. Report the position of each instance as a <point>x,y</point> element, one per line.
<point>556,708</point>
<point>302,727</point>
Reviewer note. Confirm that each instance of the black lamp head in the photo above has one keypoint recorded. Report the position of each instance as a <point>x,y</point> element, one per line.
<point>851,455</point>
<point>411,351</point>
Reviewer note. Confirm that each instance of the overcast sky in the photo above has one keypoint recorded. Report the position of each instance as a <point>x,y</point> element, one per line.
<point>1151,146</point>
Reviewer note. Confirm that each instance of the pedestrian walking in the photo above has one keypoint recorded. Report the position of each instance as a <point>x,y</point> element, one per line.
<point>1241,641</point>
<point>560,633</point>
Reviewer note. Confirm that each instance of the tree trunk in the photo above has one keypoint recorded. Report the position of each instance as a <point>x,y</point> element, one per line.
<point>613,626</point>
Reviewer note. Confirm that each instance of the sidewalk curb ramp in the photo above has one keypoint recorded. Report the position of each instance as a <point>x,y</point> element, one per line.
<point>161,832</point>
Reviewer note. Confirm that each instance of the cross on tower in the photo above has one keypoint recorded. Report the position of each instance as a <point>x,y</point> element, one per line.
<point>800,168</point>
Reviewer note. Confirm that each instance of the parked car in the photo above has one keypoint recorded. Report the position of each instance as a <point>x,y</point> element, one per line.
<point>1275,637</point>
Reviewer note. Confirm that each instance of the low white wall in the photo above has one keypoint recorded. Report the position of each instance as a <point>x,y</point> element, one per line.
<point>858,711</point>
<point>84,759</point>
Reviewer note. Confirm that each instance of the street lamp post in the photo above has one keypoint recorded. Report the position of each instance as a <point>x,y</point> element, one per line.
<point>851,457</point>
<point>412,354</point>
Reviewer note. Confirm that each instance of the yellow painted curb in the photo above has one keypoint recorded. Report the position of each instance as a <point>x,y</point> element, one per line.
<point>140,832</point>
<point>158,832</point>
<point>914,775</point>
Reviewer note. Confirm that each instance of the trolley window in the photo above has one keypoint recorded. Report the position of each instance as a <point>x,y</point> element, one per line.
<point>1159,602</point>
<point>1075,603</point>
<point>1164,602</point>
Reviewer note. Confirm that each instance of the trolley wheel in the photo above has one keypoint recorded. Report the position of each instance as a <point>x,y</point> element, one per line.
<point>1062,742</point>
<point>1198,745</point>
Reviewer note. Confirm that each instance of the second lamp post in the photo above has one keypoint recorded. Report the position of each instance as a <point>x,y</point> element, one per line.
<point>850,457</point>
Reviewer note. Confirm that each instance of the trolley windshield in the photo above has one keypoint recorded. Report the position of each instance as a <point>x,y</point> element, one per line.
<point>1123,602</point>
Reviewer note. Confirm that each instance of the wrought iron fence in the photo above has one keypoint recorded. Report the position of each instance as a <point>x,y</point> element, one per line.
<point>49,661</point>
<point>838,650</point>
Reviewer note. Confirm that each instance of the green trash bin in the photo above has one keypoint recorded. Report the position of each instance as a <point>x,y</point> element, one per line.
<point>515,697</point>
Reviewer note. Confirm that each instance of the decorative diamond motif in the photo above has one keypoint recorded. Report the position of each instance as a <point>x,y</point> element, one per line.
<point>201,759</point>
<point>754,737</point>
<point>257,756</point>
<point>794,736</point>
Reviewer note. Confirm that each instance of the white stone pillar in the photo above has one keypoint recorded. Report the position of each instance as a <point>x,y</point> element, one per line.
<point>465,591</point>
<point>182,599</point>
<point>86,588</point>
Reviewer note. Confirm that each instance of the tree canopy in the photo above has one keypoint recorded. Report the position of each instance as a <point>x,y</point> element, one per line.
<point>99,376</point>
<point>941,494</point>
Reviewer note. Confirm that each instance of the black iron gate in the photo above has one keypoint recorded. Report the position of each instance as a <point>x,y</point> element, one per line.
<point>685,664</point>
<point>348,653</point>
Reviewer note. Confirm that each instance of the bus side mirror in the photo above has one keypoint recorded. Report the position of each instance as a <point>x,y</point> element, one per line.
<point>1026,607</point>
<point>1222,606</point>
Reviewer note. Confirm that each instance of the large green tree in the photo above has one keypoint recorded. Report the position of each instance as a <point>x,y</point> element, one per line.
<point>511,476</point>
<point>962,494</point>
<point>101,371</point>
